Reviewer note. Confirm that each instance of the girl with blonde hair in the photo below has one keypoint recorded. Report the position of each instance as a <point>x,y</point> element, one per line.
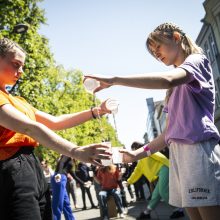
<point>194,179</point>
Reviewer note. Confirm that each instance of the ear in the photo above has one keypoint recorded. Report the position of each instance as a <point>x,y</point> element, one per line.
<point>176,37</point>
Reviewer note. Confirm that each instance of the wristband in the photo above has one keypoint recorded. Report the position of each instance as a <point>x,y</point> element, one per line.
<point>147,150</point>
<point>93,115</point>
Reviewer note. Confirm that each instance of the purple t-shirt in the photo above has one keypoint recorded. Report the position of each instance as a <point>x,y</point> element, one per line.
<point>191,105</point>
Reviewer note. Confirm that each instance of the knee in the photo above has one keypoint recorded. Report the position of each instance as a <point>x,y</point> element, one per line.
<point>102,194</point>
<point>117,193</point>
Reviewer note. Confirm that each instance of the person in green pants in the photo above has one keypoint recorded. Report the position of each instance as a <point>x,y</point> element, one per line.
<point>154,167</point>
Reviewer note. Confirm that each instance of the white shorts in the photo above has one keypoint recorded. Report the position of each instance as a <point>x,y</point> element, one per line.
<point>194,177</point>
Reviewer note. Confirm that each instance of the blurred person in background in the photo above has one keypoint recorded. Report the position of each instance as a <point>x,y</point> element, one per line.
<point>108,178</point>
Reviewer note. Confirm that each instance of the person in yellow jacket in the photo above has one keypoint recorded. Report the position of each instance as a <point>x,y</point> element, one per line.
<point>152,167</point>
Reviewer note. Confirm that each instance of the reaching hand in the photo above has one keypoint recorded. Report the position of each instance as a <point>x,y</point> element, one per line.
<point>105,81</point>
<point>87,184</point>
<point>101,110</point>
<point>91,153</point>
<point>128,156</point>
<point>125,183</point>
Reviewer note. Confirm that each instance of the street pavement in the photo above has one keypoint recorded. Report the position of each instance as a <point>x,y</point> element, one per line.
<point>162,211</point>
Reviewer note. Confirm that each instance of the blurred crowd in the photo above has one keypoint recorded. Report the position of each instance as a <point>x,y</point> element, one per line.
<point>145,180</point>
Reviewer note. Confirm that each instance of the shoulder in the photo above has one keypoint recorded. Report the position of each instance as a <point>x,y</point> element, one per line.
<point>196,59</point>
<point>4,98</point>
<point>4,95</point>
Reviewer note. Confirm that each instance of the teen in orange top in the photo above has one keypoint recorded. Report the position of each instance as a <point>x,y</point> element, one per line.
<point>108,178</point>
<point>23,188</point>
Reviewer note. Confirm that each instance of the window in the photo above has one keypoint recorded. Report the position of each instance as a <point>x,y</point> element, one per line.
<point>214,49</point>
<point>207,51</point>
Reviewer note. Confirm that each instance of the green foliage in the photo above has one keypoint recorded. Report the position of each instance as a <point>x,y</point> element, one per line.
<point>48,87</point>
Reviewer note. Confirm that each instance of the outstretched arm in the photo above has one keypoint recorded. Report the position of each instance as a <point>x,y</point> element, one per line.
<point>70,120</point>
<point>156,145</point>
<point>14,120</point>
<point>156,80</point>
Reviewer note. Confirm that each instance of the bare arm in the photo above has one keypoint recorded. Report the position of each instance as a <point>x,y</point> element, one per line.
<point>14,120</point>
<point>156,145</point>
<point>69,120</point>
<point>156,80</point>
<point>63,121</point>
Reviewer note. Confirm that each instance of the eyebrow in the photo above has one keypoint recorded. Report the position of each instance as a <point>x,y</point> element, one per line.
<point>18,61</point>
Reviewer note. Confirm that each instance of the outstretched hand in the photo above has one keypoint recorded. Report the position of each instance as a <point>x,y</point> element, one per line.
<point>105,81</point>
<point>91,153</point>
<point>128,156</point>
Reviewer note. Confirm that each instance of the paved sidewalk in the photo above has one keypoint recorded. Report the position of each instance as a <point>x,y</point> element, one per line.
<point>162,212</point>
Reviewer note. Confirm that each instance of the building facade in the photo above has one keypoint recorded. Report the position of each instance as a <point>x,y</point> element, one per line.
<point>151,131</point>
<point>209,40</point>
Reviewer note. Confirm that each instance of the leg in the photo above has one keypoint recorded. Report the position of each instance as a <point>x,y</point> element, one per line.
<point>19,188</point>
<point>90,197</point>
<point>83,196</point>
<point>97,190</point>
<point>130,191</point>
<point>66,207</point>
<point>47,214</point>
<point>155,198</point>
<point>210,212</point>
<point>164,183</point>
<point>58,196</point>
<point>118,201</point>
<point>45,198</point>
<point>124,199</point>
<point>103,202</point>
<point>142,181</point>
<point>68,188</point>
<point>136,189</point>
<point>193,214</point>
<point>73,191</point>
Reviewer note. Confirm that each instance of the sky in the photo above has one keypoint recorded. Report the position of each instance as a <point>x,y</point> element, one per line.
<point>108,37</point>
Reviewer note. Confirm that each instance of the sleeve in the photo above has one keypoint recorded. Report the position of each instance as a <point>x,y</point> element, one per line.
<point>194,65</point>
<point>33,109</point>
<point>78,180</point>
<point>161,158</point>
<point>3,100</point>
<point>137,173</point>
<point>165,109</point>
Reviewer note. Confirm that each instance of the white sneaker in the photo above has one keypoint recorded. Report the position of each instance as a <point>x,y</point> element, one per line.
<point>132,200</point>
<point>125,211</point>
<point>121,215</point>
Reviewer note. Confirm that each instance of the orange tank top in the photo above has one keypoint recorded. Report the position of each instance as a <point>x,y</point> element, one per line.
<point>11,141</point>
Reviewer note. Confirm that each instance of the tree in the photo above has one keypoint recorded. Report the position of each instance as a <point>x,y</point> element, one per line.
<point>48,87</point>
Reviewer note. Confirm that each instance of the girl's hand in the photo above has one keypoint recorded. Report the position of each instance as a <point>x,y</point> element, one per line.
<point>125,183</point>
<point>105,81</point>
<point>128,156</point>
<point>91,153</point>
<point>87,184</point>
<point>101,110</point>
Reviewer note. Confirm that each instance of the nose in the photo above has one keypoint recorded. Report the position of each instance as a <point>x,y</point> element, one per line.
<point>20,70</point>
